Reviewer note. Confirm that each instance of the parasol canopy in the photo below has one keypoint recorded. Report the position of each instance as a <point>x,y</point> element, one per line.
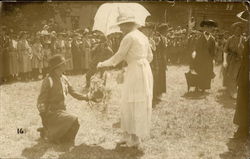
<point>106,16</point>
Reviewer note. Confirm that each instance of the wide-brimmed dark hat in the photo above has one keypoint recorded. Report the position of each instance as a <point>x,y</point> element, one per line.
<point>56,61</point>
<point>163,27</point>
<point>208,23</point>
<point>244,15</point>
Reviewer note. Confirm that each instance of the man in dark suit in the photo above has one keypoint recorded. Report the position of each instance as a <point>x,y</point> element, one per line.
<point>100,52</point>
<point>59,126</point>
<point>242,113</point>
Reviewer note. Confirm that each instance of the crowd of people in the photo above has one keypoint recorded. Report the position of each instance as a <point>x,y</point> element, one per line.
<point>24,55</point>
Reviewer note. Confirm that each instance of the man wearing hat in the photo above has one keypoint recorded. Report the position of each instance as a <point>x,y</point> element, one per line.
<point>232,59</point>
<point>101,52</point>
<point>58,125</point>
<point>160,59</point>
<point>203,56</point>
<point>148,30</point>
<point>242,113</point>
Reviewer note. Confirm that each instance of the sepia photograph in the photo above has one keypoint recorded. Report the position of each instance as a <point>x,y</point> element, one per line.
<point>124,79</point>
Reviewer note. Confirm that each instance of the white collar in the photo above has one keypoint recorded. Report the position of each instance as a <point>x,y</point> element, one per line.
<point>206,36</point>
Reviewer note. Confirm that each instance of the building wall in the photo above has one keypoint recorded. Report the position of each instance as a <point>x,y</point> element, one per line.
<point>223,13</point>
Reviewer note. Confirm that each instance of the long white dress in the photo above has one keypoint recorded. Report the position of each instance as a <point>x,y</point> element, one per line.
<point>137,91</point>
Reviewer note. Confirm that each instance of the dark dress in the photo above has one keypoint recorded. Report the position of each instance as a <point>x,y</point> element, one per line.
<point>162,64</point>
<point>52,108</point>
<point>76,55</point>
<point>241,116</point>
<point>203,62</point>
<point>155,69</point>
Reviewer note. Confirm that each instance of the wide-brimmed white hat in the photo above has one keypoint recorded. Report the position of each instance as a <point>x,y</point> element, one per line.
<point>125,18</point>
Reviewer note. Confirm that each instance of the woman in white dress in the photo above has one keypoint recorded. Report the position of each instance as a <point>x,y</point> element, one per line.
<point>136,104</point>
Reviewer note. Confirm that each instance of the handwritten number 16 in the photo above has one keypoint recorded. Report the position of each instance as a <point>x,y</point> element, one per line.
<point>20,131</point>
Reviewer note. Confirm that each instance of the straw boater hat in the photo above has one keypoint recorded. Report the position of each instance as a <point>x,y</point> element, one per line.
<point>56,61</point>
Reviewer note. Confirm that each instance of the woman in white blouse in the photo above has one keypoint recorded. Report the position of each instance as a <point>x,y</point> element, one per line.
<point>136,102</point>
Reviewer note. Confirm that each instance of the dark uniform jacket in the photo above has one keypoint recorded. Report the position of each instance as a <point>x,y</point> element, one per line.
<point>242,113</point>
<point>52,108</point>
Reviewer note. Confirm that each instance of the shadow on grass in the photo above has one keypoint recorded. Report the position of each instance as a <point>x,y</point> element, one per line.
<point>224,99</point>
<point>84,151</point>
<point>36,151</point>
<point>237,149</point>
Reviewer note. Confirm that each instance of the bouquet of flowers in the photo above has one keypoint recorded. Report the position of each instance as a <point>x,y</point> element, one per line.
<point>98,90</point>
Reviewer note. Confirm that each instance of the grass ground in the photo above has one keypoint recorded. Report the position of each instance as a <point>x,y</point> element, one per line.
<point>182,127</point>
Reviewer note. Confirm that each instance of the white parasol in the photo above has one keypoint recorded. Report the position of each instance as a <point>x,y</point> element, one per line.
<point>106,16</point>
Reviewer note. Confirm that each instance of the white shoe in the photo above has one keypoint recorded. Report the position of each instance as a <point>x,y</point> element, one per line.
<point>123,140</point>
<point>120,142</point>
<point>134,142</point>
